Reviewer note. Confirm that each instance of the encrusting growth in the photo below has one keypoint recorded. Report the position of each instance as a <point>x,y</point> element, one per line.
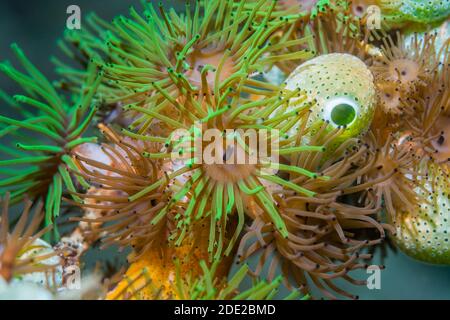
<point>423,230</point>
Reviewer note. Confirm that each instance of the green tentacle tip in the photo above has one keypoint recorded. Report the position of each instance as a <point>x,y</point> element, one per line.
<point>320,6</point>
<point>4,67</point>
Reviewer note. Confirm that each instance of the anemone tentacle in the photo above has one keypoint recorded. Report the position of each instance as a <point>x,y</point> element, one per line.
<point>21,250</point>
<point>218,190</point>
<point>44,139</point>
<point>216,42</point>
<point>206,286</point>
<point>115,172</point>
<point>321,245</point>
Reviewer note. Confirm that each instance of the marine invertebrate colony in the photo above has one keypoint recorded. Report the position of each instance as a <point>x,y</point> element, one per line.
<point>170,141</point>
<point>146,59</point>
<point>403,69</point>
<point>321,246</point>
<point>120,172</point>
<point>61,126</point>
<point>22,252</point>
<point>206,287</point>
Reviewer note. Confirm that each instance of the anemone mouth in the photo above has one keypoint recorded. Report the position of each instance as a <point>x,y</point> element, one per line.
<point>200,58</point>
<point>359,10</point>
<point>441,143</point>
<point>404,70</point>
<point>359,7</point>
<point>390,97</point>
<point>229,173</point>
<point>232,169</point>
<point>391,102</point>
<point>341,111</point>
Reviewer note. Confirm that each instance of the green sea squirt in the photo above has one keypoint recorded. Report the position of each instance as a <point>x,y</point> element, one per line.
<point>342,91</point>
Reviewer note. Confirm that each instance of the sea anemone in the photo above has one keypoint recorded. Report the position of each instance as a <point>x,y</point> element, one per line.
<point>321,245</point>
<point>205,286</point>
<point>416,195</point>
<point>392,101</point>
<point>44,137</point>
<point>429,126</point>
<point>22,252</point>
<point>117,172</point>
<point>409,65</point>
<point>204,161</point>
<point>219,188</point>
<point>403,73</point>
<point>395,162</point>
<point>333,29</point>
<point>153,60</point>
<point>226,188</point>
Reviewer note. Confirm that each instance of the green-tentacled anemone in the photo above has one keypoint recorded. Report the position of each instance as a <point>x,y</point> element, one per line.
<point>151,58</point>
<point>48,128</point>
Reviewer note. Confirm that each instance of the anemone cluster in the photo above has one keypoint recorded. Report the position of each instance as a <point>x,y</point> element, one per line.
<point>358,118</point>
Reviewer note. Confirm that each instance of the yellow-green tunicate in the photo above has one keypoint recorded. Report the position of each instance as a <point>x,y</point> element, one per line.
<point>410,14</point>
<point>424,233</point>
<point>342,90</point>
<point>424,12</point>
